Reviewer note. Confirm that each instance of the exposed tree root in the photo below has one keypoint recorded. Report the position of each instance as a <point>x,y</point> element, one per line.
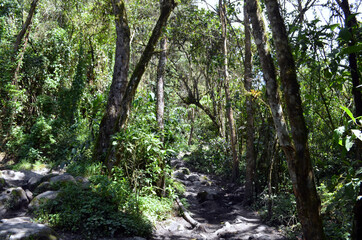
<point>195,224</point>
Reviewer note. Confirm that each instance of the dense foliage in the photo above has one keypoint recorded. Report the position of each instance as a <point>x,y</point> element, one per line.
<point>54,91</point>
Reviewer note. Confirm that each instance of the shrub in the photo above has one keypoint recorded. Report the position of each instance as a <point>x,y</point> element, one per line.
<point>104,209</point>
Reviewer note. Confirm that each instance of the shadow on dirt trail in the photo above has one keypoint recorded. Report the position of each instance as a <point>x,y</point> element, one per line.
<point>217,206</point>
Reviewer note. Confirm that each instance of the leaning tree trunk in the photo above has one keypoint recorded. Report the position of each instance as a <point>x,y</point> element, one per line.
<point>160,109</point>
<point>297,154</point>
<point>229,109</point>
<point>250,153</point>
<point>167,7</point>
<point>12,98</point>
<point>119,83</point>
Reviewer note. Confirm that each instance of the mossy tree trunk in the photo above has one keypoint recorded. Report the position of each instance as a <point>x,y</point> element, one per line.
<point>297,153</point>
<point>121,92</point>
<point>250,153</point>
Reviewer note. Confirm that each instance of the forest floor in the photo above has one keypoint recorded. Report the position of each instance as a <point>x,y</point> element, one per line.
<point>217,206</point>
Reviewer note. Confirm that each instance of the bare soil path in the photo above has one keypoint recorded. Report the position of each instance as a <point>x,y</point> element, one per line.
<point>217,206</point>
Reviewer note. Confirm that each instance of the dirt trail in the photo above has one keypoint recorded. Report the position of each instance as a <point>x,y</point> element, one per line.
<point>218,207</point>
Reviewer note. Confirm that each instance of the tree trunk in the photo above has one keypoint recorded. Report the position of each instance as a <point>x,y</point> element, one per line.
<point>351,22</point>
<point>229,109</point>
<point>250,153</point>
<point>119,83</point>
<point>192,120</point>
<point>25,26</point>
<point>308,202</point>
<point>160,87</point>
<point>124,106</point>
<point>297,155</point>
<point>161,108</point>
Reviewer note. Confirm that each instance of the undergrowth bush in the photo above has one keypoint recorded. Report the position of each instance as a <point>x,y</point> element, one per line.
<point>106,208</point>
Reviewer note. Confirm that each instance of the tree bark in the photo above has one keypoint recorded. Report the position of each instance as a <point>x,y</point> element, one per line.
<point>119,83</point>
<point>25,26</point>
<point>167,7</point>
<point>229,109</point>
<point>308,202</point>
<point>297,154</point>
<point>351,22</point>
<point>250,153</point>
<point>161,108</point>
<point>118,121</point>
<point>160,86</point>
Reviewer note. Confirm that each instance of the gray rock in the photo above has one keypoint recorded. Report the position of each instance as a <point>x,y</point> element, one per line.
<point>21,228</point>
<point>13,198</point>
<point>29,194</point>
<point>18,178</point>
<point>193,178</point>
<point>33,182</point>
<point>64,178</point>
<point>3,183</point>
<point>43,187</point>
<point>179,175</point>
<point>42,198</point>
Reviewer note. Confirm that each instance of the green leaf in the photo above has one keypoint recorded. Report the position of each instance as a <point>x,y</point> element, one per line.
<point>357,133</point>
<point>349,113</point>
<point>345,35</point>
<point>349,143</point>
<point>352,49</point>
<point>333,26</point>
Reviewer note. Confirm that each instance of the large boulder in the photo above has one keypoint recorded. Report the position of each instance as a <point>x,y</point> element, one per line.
<point>13,198</point>
<point>62,179</point>
<point>42,198</point>
<point>21,228</point>
<point>43,187</point>
<point>20,178</point>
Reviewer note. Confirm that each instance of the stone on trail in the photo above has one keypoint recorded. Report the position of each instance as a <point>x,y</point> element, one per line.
<point>193,178</point>
<point>64,178</point>
<point>43,198</point>
<point>21,228</point>
<point>179,175</point>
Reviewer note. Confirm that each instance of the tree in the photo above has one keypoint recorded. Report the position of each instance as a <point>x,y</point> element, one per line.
<point>297,153</point>
<point>160,106</point>
<point>229,109</point>
<point>119,82</point>
<point>250,153</point>
<point>122,93</point>
<point>351,25</point>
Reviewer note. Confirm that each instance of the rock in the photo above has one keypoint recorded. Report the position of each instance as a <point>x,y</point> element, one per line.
<point>13,198</point>
<point>85,183</point>
<point>179,175</point>
<point>193,178</point>
<point>33,182</point>
<point>43,187</point>
<point>14,178</point>
<point>21,228</point>
<point>29,194</point>
<point>19,178</point>
<point>42,198</point>
<point>3,183</point>
<point>202,196</point>
<point>207,194</point>
<point>62,179</point>
<point>134,238</point>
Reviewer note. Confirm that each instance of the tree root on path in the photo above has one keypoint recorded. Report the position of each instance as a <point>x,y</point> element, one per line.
<point>195,224</point>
